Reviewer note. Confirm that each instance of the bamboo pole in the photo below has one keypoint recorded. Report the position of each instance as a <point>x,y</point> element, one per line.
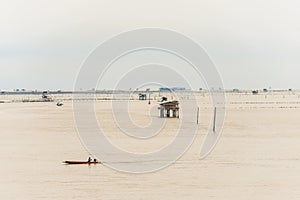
<point>214,123</point>
<point>198,115</point>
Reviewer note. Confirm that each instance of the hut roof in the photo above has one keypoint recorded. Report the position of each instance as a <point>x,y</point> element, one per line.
<point>169,103</point>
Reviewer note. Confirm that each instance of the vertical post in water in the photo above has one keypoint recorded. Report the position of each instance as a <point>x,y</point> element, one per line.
<point>214,124</point>
<point>149,102</point>
<point>198,115</point>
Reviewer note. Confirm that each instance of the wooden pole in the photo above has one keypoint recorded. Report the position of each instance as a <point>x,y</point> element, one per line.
<point>215,114</point>
<point>198,115</point>
<point>149,99</point>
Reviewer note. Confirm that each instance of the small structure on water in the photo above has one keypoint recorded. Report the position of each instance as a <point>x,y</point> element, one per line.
<point>236,90</point>
<point>169,109</point>
<point>164,99</point>
<point>142,96</point>
<point>46,96</point>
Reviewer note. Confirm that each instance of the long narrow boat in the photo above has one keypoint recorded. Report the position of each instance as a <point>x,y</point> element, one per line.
<point>80,162</point>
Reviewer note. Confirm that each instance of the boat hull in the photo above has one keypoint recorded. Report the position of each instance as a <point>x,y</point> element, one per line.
<point>80,162</point>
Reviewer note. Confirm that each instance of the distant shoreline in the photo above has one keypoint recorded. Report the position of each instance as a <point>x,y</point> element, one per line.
<point>37,92</point>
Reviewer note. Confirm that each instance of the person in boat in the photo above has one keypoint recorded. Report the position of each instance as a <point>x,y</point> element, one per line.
<point>95,160</point>
<point>90,159</point>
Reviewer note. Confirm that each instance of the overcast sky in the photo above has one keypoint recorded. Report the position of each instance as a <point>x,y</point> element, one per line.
<point>254,44</point>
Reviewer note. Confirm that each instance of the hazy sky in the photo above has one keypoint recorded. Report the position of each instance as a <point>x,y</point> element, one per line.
<point>254,44</point>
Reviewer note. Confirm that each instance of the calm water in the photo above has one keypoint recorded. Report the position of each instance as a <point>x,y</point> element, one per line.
<point>258,157</point>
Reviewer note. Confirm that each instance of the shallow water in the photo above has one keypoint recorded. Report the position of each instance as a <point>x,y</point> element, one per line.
<point>258,157</point>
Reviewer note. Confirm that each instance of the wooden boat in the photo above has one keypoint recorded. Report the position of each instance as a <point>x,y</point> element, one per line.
<point>81,162</point>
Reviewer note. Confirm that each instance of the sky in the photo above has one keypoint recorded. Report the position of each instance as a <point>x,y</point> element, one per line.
<point>253,44</point>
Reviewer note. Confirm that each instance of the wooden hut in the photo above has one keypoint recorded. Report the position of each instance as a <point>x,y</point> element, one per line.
<point>46,97</point>
<point>169,109</point>
<point>142,96</point>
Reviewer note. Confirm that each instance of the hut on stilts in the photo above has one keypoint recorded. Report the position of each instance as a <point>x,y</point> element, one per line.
<point>169,109</point>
